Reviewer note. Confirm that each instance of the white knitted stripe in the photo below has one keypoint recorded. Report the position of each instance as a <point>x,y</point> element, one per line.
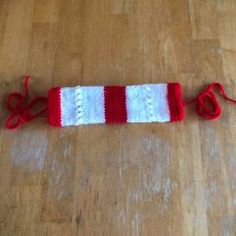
<point>82,105</point>
<point>147,103</point>
<point>92,104</point>
<point>69,101</point>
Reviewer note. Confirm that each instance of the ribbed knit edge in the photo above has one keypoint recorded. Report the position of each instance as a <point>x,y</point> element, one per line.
<point>54,107</point>
<point>175,100</point>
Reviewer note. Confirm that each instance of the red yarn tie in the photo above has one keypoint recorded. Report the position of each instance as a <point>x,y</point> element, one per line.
<point>21,109</point>
<point>207,104</point>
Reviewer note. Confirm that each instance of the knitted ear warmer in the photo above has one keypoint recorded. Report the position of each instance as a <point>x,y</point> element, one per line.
<point>67,106</point>
<point>115,104</point>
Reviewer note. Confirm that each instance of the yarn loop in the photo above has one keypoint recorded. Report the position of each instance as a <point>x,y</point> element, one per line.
<point>22,110</point>
<point>207,104</point>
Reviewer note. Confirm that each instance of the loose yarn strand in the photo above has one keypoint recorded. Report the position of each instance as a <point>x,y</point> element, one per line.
<point>21,110</point>
<point>207,104</point>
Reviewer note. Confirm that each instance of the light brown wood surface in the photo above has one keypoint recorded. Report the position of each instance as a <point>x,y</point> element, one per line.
<point>149,179</point>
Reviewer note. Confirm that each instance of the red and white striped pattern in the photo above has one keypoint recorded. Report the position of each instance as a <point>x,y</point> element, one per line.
<point>115,104</point>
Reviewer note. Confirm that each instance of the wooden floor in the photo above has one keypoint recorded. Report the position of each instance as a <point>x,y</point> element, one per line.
<point>150,179</point>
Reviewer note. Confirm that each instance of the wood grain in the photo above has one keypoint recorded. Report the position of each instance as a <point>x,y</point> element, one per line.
<point>150,179</point>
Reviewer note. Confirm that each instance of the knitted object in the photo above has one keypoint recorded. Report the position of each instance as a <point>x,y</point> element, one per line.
<point>111,104</point>
<point>115,104</point>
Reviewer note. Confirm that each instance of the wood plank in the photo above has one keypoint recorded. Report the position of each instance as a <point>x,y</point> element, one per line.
<point>135,179</point>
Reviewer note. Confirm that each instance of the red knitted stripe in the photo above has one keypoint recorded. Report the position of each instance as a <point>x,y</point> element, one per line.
<point>115,104</point>
<point>175,102</point>
<point>54,107</point>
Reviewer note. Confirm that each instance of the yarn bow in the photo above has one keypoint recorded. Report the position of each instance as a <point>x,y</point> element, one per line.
<point>207,104</point>
<point>21,109</point>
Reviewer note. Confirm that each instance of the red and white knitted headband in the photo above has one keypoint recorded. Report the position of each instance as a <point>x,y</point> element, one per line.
<point>82,105</point>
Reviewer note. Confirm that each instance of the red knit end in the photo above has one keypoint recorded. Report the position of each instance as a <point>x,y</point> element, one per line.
<point>175,101</point>
<point>54,106</point>
<point>115,104</point>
